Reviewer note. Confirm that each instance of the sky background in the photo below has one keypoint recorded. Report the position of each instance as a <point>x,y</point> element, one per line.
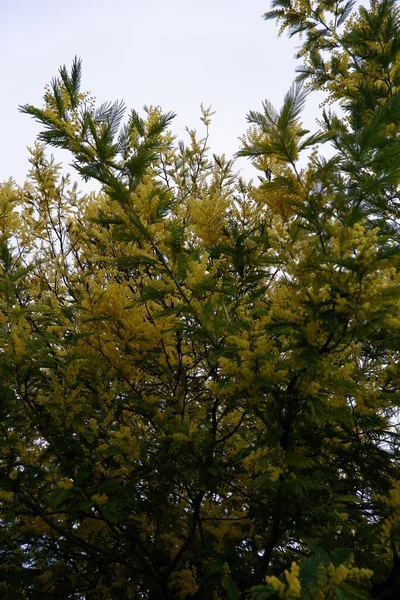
<point>175,54</point>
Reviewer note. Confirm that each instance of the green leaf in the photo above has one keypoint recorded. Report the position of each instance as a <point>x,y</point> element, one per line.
<point>58,496</point>
<point>347,591</point>
<point>231,588</point>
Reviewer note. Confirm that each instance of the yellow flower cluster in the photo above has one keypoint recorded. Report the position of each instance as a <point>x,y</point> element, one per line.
<point>100,498</point>
<point>330,577</point>
<point>65,484</point>
<point>266,460</point>
<point>9,219</point>
<point>39,526</point>
<point>127,442</point>
<point>184,582</point>
<point>392,501</point>
<point>6,496</point>
<point>93,424</point>
<point>208,216</point>
<point>291,588</point>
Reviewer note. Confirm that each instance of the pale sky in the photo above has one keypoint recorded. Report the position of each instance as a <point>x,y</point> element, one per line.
<point>175,54</point>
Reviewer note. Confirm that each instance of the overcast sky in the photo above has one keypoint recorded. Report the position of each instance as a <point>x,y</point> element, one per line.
<point>175,54</point>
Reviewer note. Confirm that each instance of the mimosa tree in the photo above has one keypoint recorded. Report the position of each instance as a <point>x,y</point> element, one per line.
<point>200,376</point>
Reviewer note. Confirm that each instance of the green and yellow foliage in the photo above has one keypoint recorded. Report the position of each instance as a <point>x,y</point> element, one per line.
<point>200,379</point>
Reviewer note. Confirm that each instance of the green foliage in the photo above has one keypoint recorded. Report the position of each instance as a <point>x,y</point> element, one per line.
<point>199,376</point>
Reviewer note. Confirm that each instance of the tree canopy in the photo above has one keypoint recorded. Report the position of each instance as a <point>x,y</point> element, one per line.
<point>200,378</point>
